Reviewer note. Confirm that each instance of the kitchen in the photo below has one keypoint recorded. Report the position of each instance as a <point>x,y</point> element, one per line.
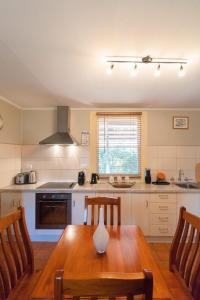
<point>55,139</point>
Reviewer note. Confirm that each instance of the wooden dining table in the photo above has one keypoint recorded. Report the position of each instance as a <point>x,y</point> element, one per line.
<point>127,252</point>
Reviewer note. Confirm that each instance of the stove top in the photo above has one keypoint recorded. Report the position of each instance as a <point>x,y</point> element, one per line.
<point>57,185</point>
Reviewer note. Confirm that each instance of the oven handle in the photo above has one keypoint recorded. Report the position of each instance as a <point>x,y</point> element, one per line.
<point>62,201</point>
<point>51,206</point>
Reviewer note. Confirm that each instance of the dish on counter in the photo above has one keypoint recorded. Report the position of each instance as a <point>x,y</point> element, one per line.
<point>122,185</point>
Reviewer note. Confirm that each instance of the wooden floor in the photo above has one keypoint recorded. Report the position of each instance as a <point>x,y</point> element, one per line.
<point>42,252</point>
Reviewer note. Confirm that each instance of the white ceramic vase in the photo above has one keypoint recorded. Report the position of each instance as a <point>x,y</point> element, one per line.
<point>101,236</point>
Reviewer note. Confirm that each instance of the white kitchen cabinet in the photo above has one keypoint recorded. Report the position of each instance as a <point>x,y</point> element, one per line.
<point>140,211</point>
<point>78,205</point>
<point>162,214</point>
<point>28,202</point>
<point>10,201</point>
<point>189,200</point>
<point>134,210</point>
<point>126,208</point>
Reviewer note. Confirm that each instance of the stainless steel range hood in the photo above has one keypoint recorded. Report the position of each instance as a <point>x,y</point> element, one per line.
<point>62,136</point>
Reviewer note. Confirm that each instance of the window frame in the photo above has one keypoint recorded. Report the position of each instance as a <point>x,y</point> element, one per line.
<point>128,114</point>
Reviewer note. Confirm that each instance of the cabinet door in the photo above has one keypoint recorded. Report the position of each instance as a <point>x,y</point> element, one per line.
<point>140,212</point>
<point>190,201</point>
<point>78,205</point>
<point>10,201</point>
<point>28,202</point>
<point>126,209</point>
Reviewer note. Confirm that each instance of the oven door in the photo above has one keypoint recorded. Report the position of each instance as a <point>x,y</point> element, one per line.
<point>53,214</point>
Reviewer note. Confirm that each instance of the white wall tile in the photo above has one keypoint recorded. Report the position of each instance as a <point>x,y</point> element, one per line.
<point>186,151</point>
<point>166,151</point>
<point>55,162</point>
<point>10,163</point>
<point>170,159</point>
<point>186,163</point>
<point>166,163</point>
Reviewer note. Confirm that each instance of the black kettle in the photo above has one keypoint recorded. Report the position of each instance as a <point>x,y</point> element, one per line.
<point>147,176</point>
<point>81,178</point>
<point>94,178</point>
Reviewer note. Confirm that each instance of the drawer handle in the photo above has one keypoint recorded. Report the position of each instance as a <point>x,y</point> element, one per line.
<point>163,207</point>
<point>163,196</point>
<point>163,229</point>
<point>163,218</point>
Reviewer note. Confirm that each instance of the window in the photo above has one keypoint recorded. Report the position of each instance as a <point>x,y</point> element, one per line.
<point>119,143</point>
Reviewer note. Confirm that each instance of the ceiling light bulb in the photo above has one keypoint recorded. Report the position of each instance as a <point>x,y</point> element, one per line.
<point>181,72</point>
<point>157,71</point>
<point>134,70</point>
<point>109,69</point>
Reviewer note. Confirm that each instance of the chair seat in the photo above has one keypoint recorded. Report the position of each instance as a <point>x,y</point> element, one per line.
<point>25,287</point>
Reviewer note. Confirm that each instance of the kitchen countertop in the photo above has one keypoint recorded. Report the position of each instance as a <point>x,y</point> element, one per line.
<point>102,187</point>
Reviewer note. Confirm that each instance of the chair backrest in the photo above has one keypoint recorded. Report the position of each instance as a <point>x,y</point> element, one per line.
<point>184,257</point>
<point>110,285</point>
<point>109,203</point>
<point>16,254</point>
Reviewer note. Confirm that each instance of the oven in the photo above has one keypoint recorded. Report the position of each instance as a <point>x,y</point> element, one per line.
<point>53,210</point>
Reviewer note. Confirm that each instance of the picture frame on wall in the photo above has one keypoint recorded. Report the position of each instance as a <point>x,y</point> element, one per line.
<point>85,138</point>
<point>180,122</point>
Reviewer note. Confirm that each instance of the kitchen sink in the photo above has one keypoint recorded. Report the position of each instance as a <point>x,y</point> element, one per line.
<point>188,185</point>
<point>122,185</point>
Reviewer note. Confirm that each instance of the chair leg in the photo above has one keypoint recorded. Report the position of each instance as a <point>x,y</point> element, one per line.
<point>58,285</point>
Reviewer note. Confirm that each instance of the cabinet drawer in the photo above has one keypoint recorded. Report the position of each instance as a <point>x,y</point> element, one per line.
<point>163,207</point>
<point>163,197</point>
<point>163,219</point>
<point>162,230</point>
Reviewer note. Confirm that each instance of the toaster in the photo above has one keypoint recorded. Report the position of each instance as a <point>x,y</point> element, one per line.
<point>22,178</point>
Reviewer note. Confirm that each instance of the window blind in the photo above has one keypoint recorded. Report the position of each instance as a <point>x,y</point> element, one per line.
<point>119,143</point>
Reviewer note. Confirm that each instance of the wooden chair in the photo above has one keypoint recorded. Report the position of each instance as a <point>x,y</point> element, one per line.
<point>184,257</point>
<point>17,275</point>
<point>107,202</point>
<point>109,285</point>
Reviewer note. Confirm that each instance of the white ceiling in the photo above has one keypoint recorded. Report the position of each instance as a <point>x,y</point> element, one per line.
<point>51,52</point>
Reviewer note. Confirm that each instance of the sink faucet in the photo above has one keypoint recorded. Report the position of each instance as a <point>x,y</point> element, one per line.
<point>180,174</point>
<point>187,181</point>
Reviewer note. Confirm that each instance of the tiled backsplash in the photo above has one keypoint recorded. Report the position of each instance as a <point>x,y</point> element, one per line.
<point>10,163</point>
<point>55,162</point>
<point>172,158</point>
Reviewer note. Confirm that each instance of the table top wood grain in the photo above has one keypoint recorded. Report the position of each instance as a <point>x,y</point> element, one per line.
<point>127,252</point>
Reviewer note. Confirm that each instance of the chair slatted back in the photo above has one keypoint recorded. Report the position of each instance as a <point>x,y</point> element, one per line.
<point>16,254</point>
<point>185,252</point>
<point>110,285</point>
<point>109,203</point>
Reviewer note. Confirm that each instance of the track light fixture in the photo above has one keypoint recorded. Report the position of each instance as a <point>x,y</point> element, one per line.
<point>110,68</point>
<point>157,71</point>
<point>135,60</point>
<point>134,70</point>
<point>181,72</point>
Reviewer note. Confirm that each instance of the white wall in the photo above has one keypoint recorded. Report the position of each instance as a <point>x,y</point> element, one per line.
<point>170,159</point>
<point>10,140</point>
<point>165,150</point>
<point>11,133</point>
<point>10,163</point>
<point>55,162</point>
<point>39,124</point>
<point>161,133</point>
